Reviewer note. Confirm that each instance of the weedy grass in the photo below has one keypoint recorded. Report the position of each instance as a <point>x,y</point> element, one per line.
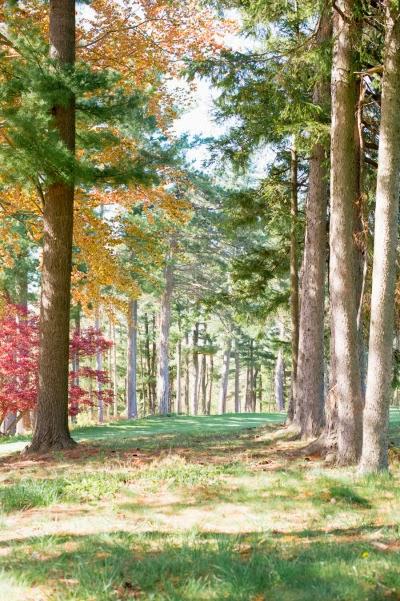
<point>197,515</point>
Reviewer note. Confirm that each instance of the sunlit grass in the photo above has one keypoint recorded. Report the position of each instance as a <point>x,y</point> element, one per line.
<point>190,514</point>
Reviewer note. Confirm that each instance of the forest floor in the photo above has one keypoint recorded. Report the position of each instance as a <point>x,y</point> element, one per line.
<point>195,509</point>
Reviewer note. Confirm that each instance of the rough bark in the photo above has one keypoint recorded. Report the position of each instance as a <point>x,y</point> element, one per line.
<point>224,378</point>
<point>132,411</point>
<point>343,169</point>
<point>376,414</point>
<point>163,388</point>
<point>309,409</point>
<point>51,431</point>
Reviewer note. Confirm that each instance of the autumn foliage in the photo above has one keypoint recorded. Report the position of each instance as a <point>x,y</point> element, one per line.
<point>19,356</point>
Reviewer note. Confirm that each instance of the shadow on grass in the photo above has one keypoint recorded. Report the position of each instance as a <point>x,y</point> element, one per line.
<point>202,566</point>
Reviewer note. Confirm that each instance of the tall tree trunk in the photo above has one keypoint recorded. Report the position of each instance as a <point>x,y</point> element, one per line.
<point>163,364</point>
<point>195,380</point>
<point>148,363</point>
<point>294,272</point>
<point>210,390</point>
<point>203,384</point>
<point>280,381</point>
<point>343,191</point>
<point>132,359</point>
<point>309,409</point>
<point>225,378</point>
<point>179,376</point>
<point>255,390</point>
<point>187,374</point>
<point>237,378</point>
<point>99,367</point>
<point>114,369</point>
<point>153,381</point>
<point>376,416</point>
<point>51,430</point>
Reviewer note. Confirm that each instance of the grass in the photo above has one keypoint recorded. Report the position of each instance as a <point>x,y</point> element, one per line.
<point>193,509</point>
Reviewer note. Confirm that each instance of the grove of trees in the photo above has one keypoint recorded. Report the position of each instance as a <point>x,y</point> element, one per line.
<point>134,283</point>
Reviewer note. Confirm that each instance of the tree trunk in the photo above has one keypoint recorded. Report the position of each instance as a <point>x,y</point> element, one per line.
<point>195,379</point>
<point>179,377</point>
<point>99,367</point>
<point>210,390</point>
<point>203,384</point>
<point>309,403</point>
<point>51,430</point>
<point>343,171</point>
<point>163,364</point>
<point>114,370</point>
<point>376,416</point>
<point>132,359</point>
<point>237,378</point>
<point>187,374</point>
<point>280,382</point>
<point>148,363</point>
<point>294,273</point>
<point>225,378</point>
<point>153,380</point>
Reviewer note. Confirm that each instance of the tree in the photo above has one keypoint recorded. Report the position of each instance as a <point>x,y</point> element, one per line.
<point>309,409</point>
<point>341,277</point>
<point>132,358</point>
<point>51,428</point>
<point>376,413</point>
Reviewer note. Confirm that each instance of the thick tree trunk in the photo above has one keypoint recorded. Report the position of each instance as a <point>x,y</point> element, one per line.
<point>163,389</point>
<point>343,170</point>
<point>309,410</point>
<point>376,415</point>
<point>132,359</point>
<point>225,378</point>
<point>51,431</point>
<point>280,382</point>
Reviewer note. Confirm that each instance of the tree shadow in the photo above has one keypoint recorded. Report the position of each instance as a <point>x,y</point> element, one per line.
<point>201,566</point>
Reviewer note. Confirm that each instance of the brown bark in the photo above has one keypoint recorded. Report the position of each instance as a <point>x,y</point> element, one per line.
<point>376,415</point>
<point>51,431</point>
<point>343,194</point>
<point>309,410</point>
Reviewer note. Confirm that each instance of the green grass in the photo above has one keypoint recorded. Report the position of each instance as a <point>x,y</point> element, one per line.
<point>197,509</point>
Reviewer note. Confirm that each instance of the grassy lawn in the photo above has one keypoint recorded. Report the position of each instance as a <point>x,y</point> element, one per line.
<point>206,508</point>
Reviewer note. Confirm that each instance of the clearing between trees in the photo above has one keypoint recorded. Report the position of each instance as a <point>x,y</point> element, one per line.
<point>196,508</point>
